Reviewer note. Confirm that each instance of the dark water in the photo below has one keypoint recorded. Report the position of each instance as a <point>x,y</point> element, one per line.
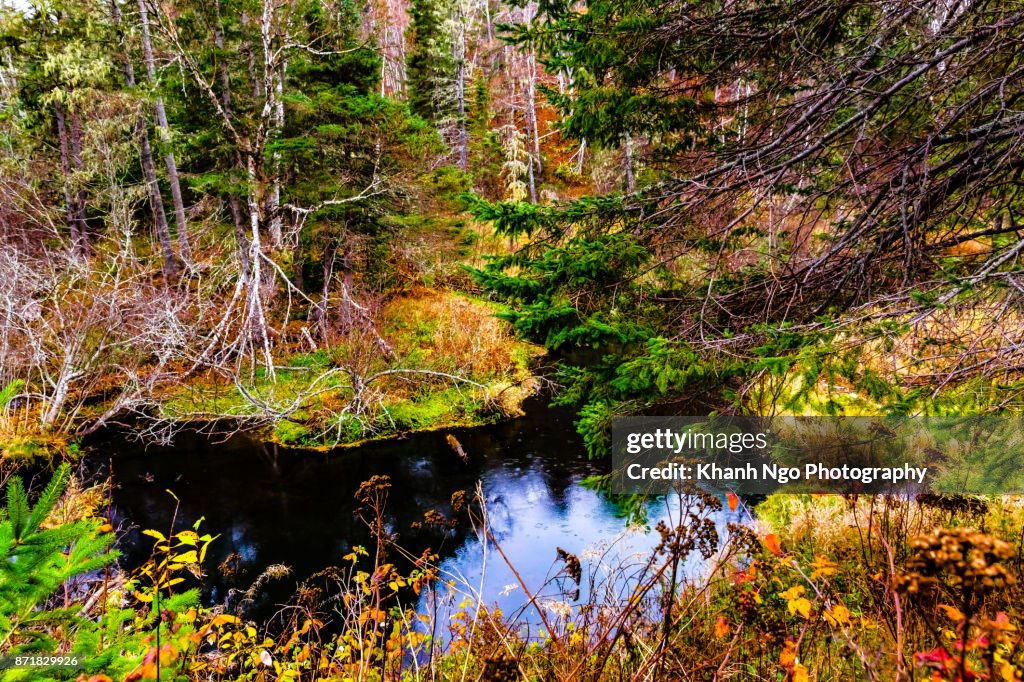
<point>272,505</point>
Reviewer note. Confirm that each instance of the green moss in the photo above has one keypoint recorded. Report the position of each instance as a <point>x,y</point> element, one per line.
<point>291,433</point>
<point>436,409</point>
<point>424,412</point>
<point>25,449</point>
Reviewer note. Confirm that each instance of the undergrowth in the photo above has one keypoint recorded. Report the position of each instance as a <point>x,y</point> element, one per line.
<point>817,587</point>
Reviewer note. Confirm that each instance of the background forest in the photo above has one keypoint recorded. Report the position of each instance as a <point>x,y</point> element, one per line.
<point>328,223</point>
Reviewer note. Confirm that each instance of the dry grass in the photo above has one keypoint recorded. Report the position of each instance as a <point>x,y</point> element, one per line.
<point>454,333</point>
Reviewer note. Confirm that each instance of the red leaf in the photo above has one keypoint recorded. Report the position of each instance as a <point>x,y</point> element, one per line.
<point>732,500</point>
<point>937,657</point>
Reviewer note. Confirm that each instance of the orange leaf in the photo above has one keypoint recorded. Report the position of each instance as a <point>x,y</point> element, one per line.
<point>1001,622</point>
<point>732,500</point>
<point>772,543</point>
<point>721,628</point>
<point>787,658</point>
<point>953,613</point>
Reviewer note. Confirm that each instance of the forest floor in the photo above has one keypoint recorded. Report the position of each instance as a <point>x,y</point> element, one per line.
<point>439,376</point>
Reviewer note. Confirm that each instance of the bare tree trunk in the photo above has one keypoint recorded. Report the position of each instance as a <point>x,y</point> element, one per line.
<point>225,98</point>
<point>460,88</point>
<point>76,165</point>
<point>298,275</point>
<point>347,282</point>
<point>582,154</point>
<point>61,387</point>
<point>156,202</point>
<point>71,211</point>
<point>243,241</point>
<point>163,131</point>
<point>250,59</point>
<point>531,103</point>
<point>487,19</point>
<point>533,181</point>
<point>320,314</point>
<point>257,320</point>
<point>274,197</point>
<point>463,132</point>
<point>627,148</point>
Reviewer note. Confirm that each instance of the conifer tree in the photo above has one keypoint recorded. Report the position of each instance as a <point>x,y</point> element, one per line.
<point>794,162</point>
<point>431,68</point>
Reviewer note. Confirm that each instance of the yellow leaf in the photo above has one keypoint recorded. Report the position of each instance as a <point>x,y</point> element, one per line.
<point>795,601</point>
<point>801,606</point>
<point>793,593</point>
<point>188,537</point>
<point>1008,672</point>
<point>823,567</point>
<point>155,534</point>
<point>799,673</point>
<point>838,615</point>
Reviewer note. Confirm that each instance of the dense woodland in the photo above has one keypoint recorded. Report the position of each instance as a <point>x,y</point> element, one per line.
<point>328,222</point>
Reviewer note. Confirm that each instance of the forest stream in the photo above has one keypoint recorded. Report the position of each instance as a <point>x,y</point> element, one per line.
<point>273,505</point>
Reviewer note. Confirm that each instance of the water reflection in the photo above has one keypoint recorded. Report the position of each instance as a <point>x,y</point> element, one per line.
<point>529,522</point>
<point>273,505</point>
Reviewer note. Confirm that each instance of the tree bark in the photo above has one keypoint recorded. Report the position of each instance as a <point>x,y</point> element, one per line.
<point>460,89</point>
<point>257,318</point>
<point>320,314</point>
<point>274,196</point>
<point>627,149</point>
<point>70,210</point>
<point>76,165</point>
<point>156,201</point>
<point>225,98</point>
<point>531,96</point>
<point>163,131</point>
<point>347,282</point>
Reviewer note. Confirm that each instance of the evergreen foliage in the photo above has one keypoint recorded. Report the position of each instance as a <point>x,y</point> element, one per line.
<point>805,167</point>
<point>38,558</point>
<point>431,67</point>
